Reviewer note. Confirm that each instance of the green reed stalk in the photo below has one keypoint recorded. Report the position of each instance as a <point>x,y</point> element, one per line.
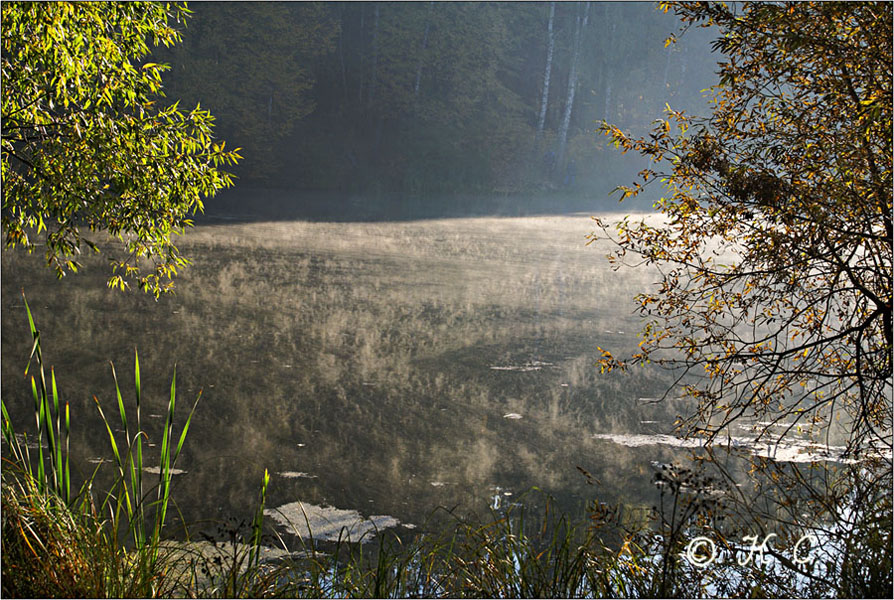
<point>136,474</point>
<point>132,498</point>
<point>53,472</point>
<point>168,460</point>
<point>257,525</point>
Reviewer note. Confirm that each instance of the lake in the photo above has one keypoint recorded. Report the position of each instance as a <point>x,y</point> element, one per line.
<point>385,369</point>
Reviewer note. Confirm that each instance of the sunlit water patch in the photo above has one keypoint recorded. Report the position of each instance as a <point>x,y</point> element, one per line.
<point>157,471</point>
<point>786,450</point>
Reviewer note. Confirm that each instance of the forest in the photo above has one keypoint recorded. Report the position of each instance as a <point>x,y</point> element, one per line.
<point>427,98</point>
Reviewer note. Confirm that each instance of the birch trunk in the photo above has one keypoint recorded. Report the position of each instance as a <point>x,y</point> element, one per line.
<point>572,84</point>
<point>341,55</point>
<point>422,51</point>
<point>607,76</point>
<point>362,74</point>
<point>550,47</point>
<point>375,57</point>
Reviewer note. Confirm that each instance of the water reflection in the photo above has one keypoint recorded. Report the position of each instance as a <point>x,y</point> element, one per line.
<point>388,368</point>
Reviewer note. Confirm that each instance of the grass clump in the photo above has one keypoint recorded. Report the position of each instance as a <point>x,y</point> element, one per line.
<point>56,550</point>
<point>59,544</point>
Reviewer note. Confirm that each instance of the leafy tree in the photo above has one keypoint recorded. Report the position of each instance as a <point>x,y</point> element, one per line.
<point>775,237</point>
<point>254,60</point>
<point>86,144</point>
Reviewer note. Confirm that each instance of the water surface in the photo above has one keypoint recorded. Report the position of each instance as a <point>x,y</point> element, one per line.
<point>386,368</point>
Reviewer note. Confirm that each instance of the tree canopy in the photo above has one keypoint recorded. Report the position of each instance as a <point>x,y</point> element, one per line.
<point>775,241</point>
<point>88,144</point>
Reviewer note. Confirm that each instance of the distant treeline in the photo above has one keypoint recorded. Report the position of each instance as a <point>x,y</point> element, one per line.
<point>428,97</point>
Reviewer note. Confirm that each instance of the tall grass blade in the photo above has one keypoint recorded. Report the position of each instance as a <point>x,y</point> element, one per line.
<point>118,462</point>
<point>38,415</point>
<point>67,455</point>
<point>138,485</point>
<point>35,335</point>
<point>169,424</point>
<point>35,348</point>
<point>136,370</point>
<point>185,429</point>
<point>52,473</point>
<point>51,439</point>
<point>121,410</point>
<point>257,525</point>
<point>164,481</point>
<point>9,433</point>
<point>129,469</point>
<point>59,468</point>
<point>20,453</point>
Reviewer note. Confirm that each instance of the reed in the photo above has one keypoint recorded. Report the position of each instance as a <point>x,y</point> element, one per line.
<point>127,495</point>
<point>72,545</point>
<point>505,556</point>
<point>50,470</point>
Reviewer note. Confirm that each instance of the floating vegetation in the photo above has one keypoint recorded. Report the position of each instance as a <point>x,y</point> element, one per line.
<point>31,443</point>
<point>157,470</point>
<point>327,523</point>
<point>296,475</point>
<point>633,440</point>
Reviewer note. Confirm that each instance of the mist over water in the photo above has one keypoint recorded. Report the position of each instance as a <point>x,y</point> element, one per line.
<point>387,368</point>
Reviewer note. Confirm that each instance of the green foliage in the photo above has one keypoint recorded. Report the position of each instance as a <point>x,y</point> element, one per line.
<point>128,494</point>
<point>54,550</point>
<point>776,241</point>
<point>775,247</point>
<point>251,60</point>
<point>87,144</point>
